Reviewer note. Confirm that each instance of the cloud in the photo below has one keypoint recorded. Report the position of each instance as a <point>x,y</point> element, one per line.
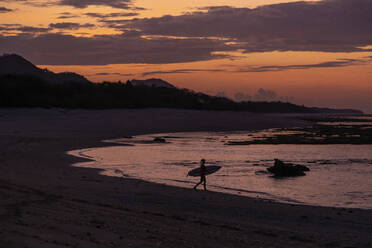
<point>120,4</point>
<point>35,3</point>
<point>30,29</point>
<point>119,25</point>
<point>327,64</point>
<point>180,71</point>
<point>67,15</point>
<point>23,29</point>
<point>70,25</point>
<point>5,10</point>
<point>111,15</point>
<point>327,26</point>
<point>56,49</point>
<point>209,33</point>
<point>272,68</point>
<point>4,27</point>
<point>114,74</point>
<point>43,47</point>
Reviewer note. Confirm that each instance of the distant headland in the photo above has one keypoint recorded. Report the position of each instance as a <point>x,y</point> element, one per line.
<point>22,84</point>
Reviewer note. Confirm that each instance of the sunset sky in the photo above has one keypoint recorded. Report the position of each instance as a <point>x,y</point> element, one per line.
<point>317,53</point>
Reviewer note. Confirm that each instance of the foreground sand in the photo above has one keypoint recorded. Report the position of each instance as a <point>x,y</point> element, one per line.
<point>44,202</point>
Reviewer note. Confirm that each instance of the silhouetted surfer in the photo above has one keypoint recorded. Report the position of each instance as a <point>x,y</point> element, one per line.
<point>202,175</point>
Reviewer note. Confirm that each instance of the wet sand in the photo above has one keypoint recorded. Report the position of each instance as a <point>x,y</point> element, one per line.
<point>44,202</point>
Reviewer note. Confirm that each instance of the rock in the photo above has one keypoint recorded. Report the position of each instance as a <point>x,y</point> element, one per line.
<point>159,140</point>
<point>281,169</point>
<point>302,167</point>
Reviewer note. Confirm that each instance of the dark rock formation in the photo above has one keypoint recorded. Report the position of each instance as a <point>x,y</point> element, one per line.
<point>281,169</point>
<point>159,140</point>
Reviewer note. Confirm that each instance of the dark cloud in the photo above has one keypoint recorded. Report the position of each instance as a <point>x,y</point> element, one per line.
<point>56,49</point>
<point>5,10</point>
<point>131,34</point>
<point>112,15</point>
<point>121,4</point>
<point>120,25</point>
<point>138,8</point>
<point>29,29</point>
<point>10,25</point>
<point>67,15</point>
<point>70,25</point>
<point>23,29</point>
<point>179,71</point>
<point>4,27</point>
<point>328,25</point>
<point>272,68</point>
<point>114,74</point>
<point>328,64</point>
<point>35,3</point>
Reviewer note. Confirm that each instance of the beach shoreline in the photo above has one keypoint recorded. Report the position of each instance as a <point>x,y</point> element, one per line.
<point>245,172</point>
<point>48,203</point>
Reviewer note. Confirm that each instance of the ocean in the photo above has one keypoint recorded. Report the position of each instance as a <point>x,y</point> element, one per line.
<point>340,174</point>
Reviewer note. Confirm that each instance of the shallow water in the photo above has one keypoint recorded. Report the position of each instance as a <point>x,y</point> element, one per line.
<point>341,175</point>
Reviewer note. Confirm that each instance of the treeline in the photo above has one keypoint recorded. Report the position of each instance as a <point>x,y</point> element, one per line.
<point>27,91</point>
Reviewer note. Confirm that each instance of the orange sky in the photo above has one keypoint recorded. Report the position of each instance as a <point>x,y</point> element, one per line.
<point>348,86</point>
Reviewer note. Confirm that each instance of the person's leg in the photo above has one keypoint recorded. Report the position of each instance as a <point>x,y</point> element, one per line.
<point>205,183</point>
<point>198,184</point>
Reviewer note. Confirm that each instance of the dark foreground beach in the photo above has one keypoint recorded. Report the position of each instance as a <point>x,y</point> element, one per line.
<point>44,202</point>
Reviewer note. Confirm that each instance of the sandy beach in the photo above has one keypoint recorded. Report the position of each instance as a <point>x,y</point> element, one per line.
<point>45,202</point>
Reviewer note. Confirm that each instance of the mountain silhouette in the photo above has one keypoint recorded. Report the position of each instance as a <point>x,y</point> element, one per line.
<point>152,82</point>
<point>23,84</point>
<point>13,64</point>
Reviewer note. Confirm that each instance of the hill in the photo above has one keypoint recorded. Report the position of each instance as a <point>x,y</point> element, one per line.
<point>13,64</point>
<point>22,84</point>
<point>30,91</point>
<point>152,82</point>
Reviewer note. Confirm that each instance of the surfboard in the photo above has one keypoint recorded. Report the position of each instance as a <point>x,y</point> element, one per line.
<point>209,170</point>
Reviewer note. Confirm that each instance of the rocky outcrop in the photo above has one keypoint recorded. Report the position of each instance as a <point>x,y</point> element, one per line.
<point>159,140</point>
<point>281,169</point>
